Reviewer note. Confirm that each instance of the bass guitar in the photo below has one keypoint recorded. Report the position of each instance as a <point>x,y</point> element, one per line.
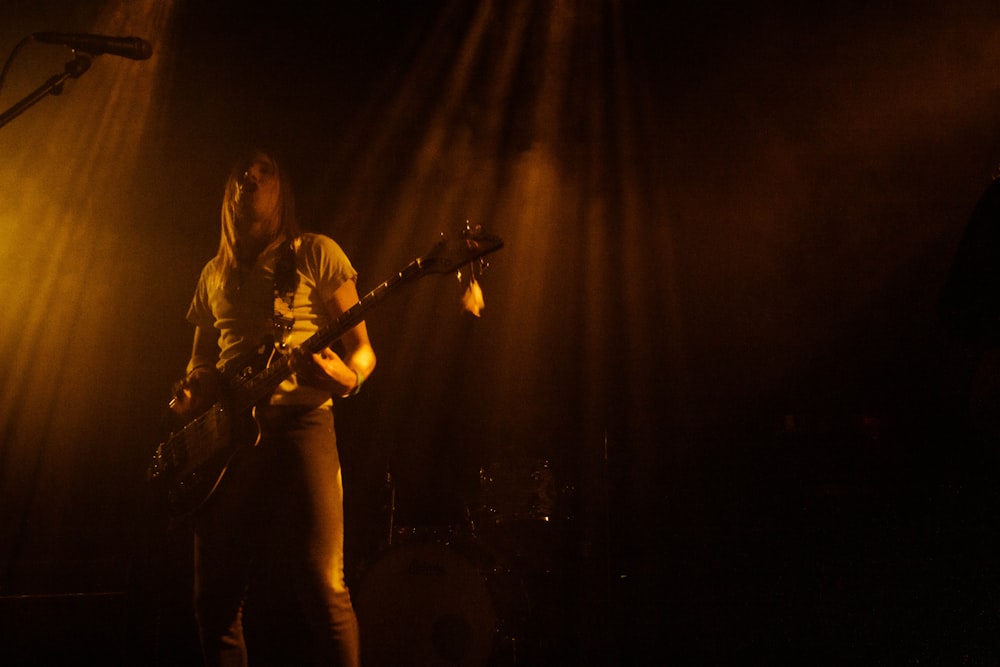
<point>191,462</point>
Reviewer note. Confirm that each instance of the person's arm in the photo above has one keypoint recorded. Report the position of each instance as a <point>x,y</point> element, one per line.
<point>326,369</point>
<point>204,350</point>
<point>200,388</point>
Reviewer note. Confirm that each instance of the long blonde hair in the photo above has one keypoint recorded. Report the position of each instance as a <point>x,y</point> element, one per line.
<point>288,225</point>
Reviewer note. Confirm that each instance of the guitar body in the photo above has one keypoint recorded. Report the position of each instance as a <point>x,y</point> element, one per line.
<point>190,463</point>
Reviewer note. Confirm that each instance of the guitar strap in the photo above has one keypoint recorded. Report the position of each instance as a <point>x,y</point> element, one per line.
<point>286,281</point>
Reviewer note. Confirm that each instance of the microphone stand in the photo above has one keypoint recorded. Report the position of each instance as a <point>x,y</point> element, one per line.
<point>54,86</point>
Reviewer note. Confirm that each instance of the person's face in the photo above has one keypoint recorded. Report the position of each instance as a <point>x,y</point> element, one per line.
<point>258,201</point>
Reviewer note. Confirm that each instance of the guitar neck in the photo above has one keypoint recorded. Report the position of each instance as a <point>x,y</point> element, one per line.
<point>356,313</point>
<point>255,389</point>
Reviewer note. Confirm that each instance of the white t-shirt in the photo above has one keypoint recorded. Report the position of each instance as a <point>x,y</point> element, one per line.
<point>242,309</point>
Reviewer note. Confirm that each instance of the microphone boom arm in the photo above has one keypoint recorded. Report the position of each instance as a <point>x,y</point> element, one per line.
<point>74,70</point>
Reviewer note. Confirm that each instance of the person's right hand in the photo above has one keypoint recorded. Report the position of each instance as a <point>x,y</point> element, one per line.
<point>196,392</point>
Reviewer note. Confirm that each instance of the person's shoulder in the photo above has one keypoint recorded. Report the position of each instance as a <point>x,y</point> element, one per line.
<point>311,242</point>
<point>311,239</point>
<point>323,254</point>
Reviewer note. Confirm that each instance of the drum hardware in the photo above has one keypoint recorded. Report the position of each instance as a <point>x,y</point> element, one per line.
<point>437,595</point>
<point>390,507</point>
<point>518,491</point>
<point>463,593</point>
<point>524,512</point>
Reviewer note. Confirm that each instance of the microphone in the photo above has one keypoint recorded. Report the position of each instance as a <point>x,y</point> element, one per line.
<point>95,45</point>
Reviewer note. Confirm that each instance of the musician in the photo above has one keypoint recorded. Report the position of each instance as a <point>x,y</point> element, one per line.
<point>277,516</point>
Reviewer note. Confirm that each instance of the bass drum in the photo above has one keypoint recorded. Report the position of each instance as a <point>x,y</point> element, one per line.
<point>429,604</point>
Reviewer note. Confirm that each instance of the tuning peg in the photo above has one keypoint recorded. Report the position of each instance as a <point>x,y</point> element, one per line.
<point>476,269</point>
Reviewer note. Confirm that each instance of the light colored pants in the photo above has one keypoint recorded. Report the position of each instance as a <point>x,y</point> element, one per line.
<point>269,550</point>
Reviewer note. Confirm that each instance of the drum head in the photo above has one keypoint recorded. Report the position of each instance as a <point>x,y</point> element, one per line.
<point>425,604</point>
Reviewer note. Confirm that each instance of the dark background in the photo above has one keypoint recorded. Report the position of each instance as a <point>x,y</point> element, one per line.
<point>712,339</point>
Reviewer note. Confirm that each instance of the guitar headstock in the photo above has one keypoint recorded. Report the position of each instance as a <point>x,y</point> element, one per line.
<point>450,254</point>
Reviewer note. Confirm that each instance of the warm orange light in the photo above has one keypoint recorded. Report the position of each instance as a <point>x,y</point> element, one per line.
<point>69,263</point>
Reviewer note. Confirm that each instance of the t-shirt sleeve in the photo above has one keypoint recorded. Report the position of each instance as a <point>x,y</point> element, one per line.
<point>200,312</point>
<point>327,262</point>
